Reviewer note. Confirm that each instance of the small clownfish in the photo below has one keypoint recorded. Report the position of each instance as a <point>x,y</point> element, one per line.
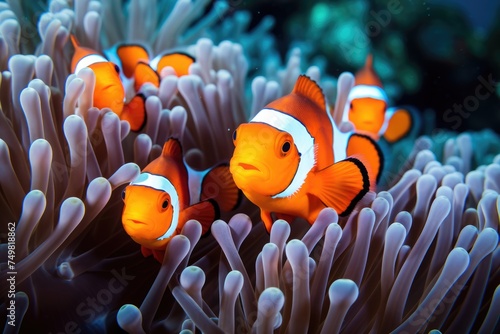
<point>366,108</point>
<point>285,158</point>
<point>168,193</point>
<point>137,66</point>
<point>108,90</point>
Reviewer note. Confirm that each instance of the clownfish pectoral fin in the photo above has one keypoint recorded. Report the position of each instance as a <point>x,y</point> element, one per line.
<point>179,61</point>
<point>341,185</point>
<point>130,55</point>
<point>267,219</point>
<point>143,73</point>
<point>399,125</point>
<point>308,88</point>
<point>158,255</point>
<point>218,184</point>
<point>283,216</point>
<point>146,251</point>
<point>206,212</point>
<point>134,112</point>
<point>368,151</point>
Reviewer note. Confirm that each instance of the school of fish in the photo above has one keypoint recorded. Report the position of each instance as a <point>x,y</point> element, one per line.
<point>130,69</point>
<point>290,160</point>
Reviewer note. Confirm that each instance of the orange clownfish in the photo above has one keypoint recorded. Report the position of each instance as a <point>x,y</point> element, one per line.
<point>367,108</point>
<point>285,158</point>
<point>108,90</point>
<point>168,193</point>
<point>137,66</point>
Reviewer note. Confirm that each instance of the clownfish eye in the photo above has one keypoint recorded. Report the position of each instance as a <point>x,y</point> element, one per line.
<point>117,69</point>
<point>163,202</point>
<point>285,147</point>
<point>123,194</point>
<point>234,135</point>
<point>351,106</point>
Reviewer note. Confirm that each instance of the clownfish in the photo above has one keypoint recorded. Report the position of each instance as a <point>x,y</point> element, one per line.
<point>289,159</point>
<point>367,108</point>
<point>168,193</point>
<point>109,91</point>
<point>137,66</point>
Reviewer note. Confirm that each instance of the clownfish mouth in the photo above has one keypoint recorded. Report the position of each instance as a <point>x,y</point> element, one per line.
<point>137,221</point>
<point>133,222</point>
<point>247,166</point>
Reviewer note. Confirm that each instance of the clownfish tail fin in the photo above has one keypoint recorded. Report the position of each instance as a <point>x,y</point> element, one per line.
<point>134,112</point>
<point>179,61</point>
<point>130,55</point>
<point>342,185</point>
<point>218,184</point>
<point>365,149</point>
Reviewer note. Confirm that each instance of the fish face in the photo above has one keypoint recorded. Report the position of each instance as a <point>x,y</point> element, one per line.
<point>367,115</point>
<point>265,159</point>
<point>147,214</point>
<point>108,91</point>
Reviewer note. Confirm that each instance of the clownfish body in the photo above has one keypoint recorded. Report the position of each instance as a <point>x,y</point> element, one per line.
<point>138,68</point>
<point>108,90</point>
<point>367,108</point>
<point>167,194</point>
<point>285,162</point>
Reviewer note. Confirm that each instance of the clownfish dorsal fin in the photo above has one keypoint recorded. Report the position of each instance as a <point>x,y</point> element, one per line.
<point>369,61</point>
<point>367,75</point>
<point>173,149</point>
<point>74,41</point>
<point>309,89</point>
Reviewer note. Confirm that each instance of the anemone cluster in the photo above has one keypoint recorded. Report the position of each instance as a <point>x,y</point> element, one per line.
<point>421,254</point>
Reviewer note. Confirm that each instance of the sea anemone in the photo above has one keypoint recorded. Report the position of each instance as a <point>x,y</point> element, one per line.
<point>422,256</point>
<point>419,255</point>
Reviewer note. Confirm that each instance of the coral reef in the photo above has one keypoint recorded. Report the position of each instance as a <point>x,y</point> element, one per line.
<point>421,254</point>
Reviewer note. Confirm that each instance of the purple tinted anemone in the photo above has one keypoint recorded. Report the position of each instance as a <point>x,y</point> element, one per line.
<point>414,270</point>
<point>420,256</point>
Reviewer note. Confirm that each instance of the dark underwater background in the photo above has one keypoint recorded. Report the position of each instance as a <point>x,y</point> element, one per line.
<point>429,54</point>
<point>435,50</point>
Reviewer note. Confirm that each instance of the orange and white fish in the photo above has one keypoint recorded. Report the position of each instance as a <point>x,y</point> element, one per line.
<point>138,67</point>
<point>108,90</point>
<point>168,193</point>
<point>367,108</point>
<point>284,159</point>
